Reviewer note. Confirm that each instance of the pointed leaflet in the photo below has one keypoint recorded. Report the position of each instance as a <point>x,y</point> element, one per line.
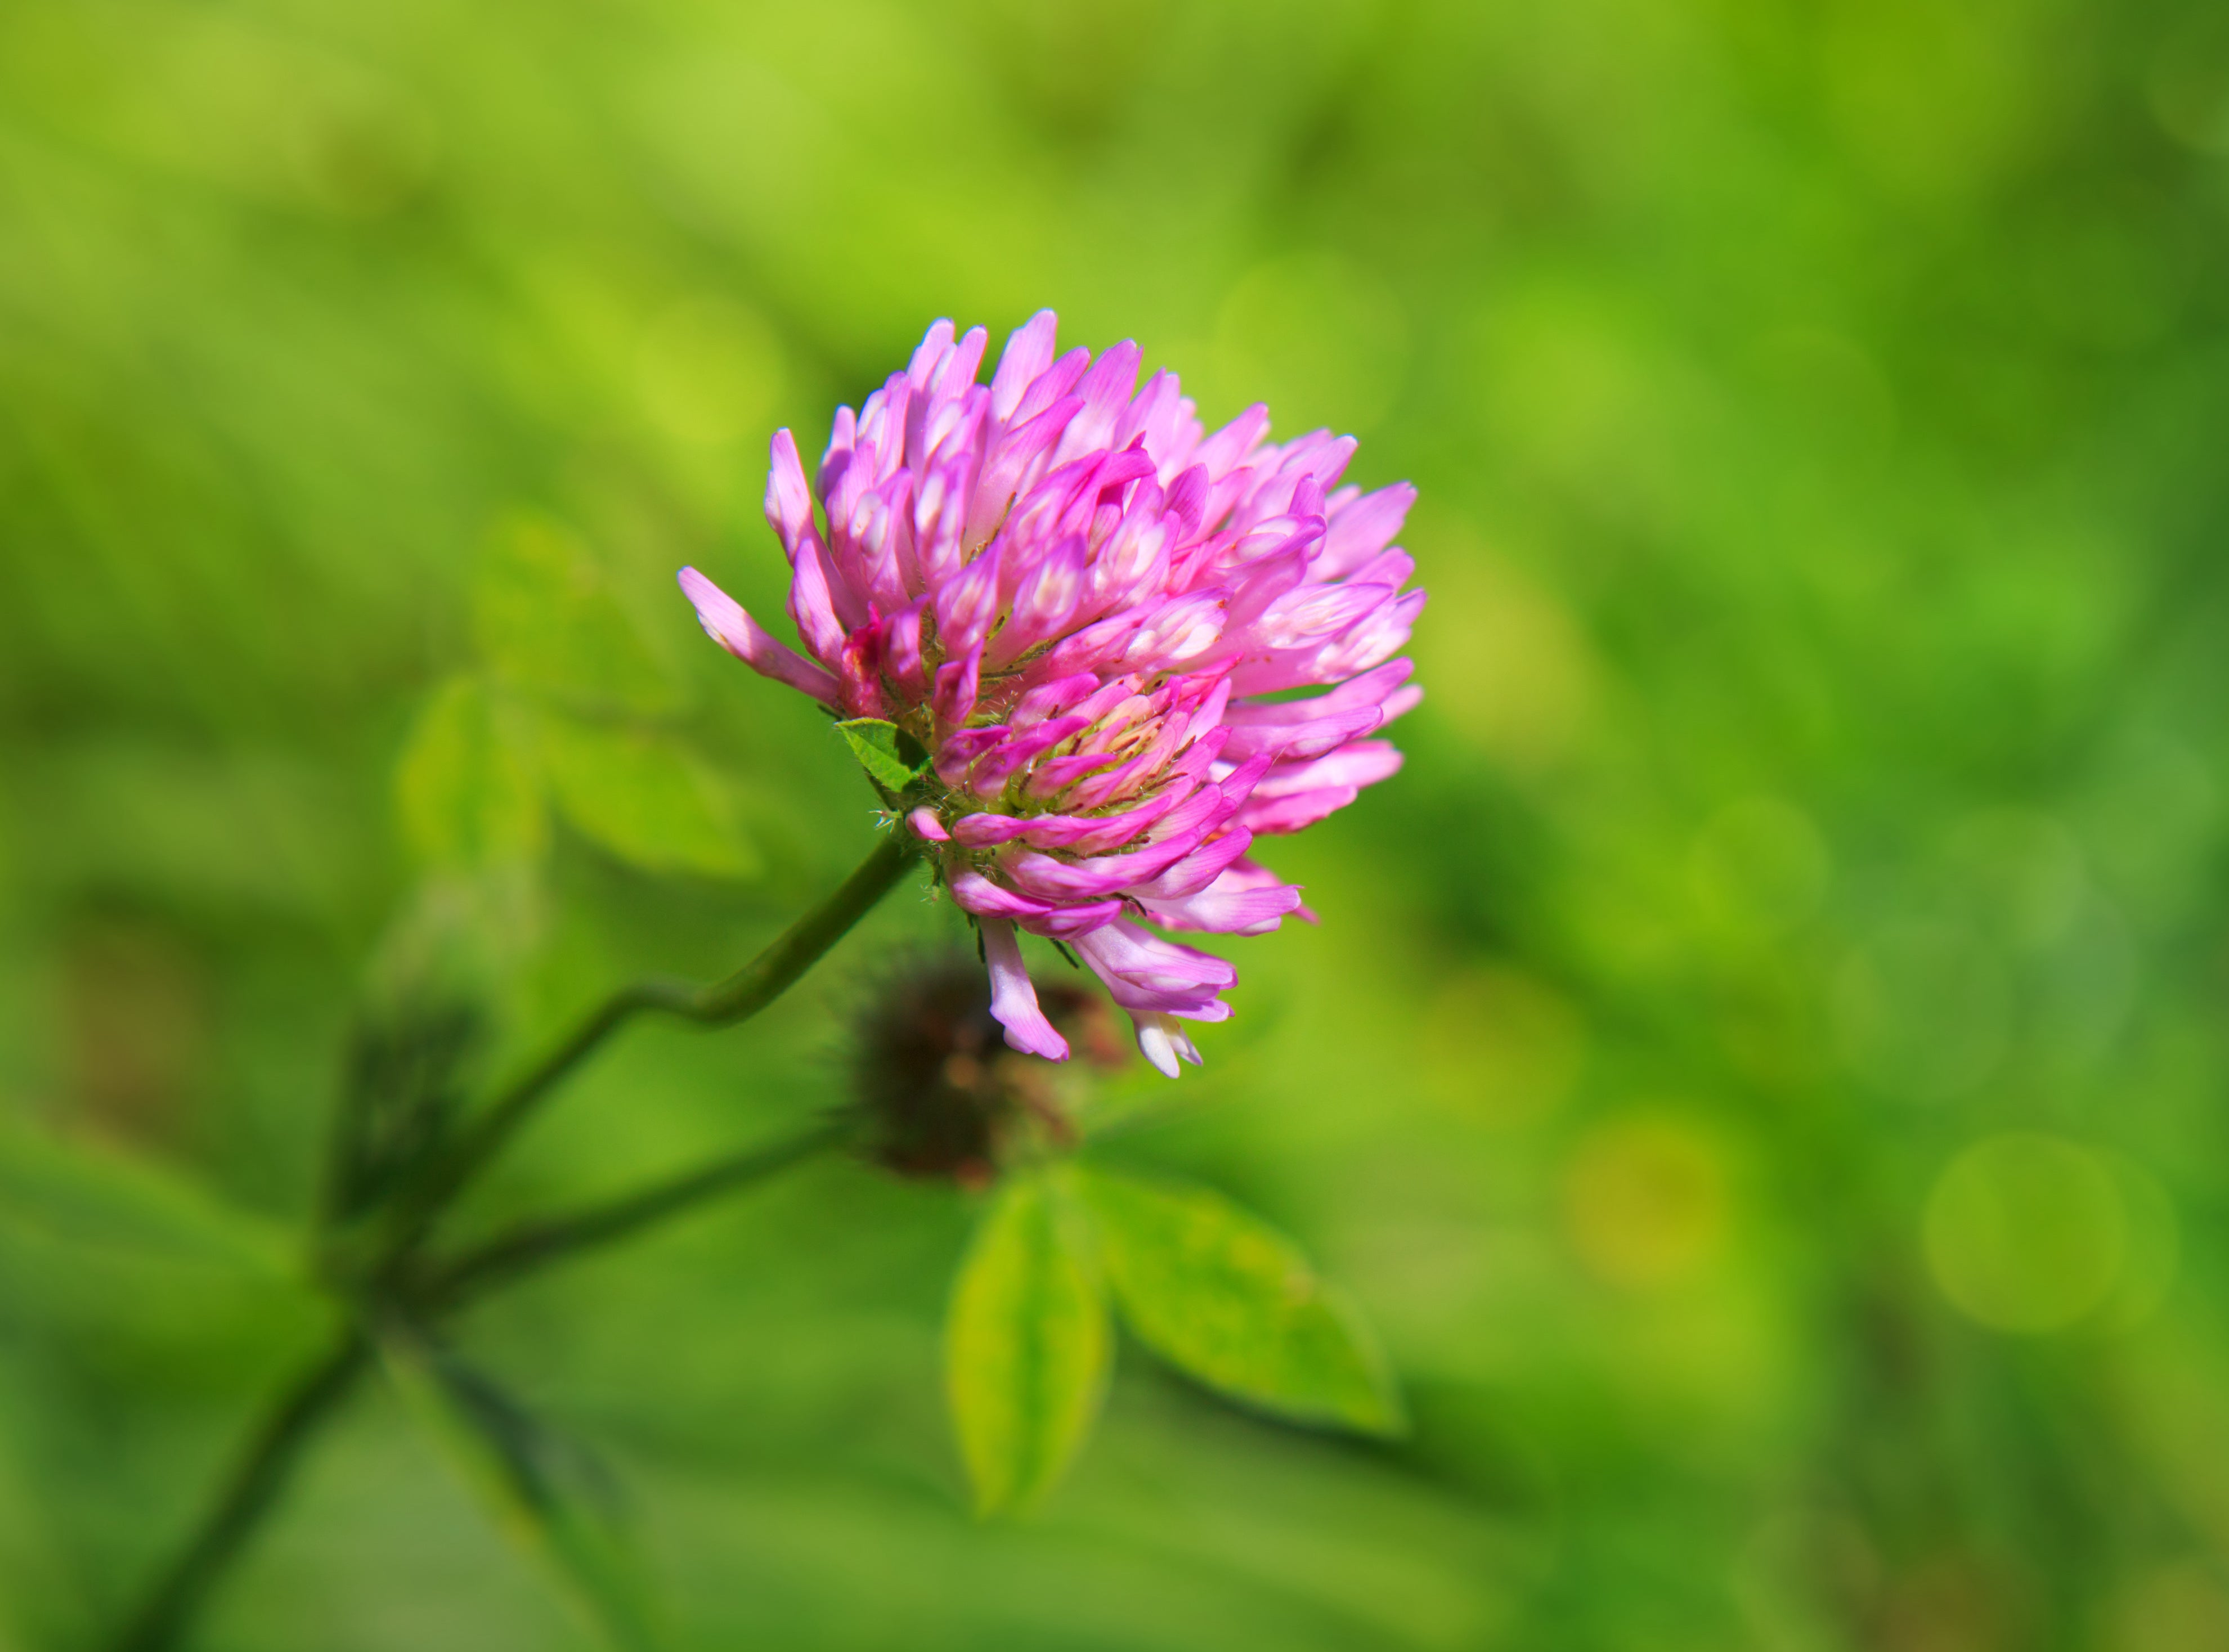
<point>468,787</point>
<point>887,752</point>
<point>1228,1300</point>
<point>645,797</point>
<point>1026,1345</point>
<point>545,619</point>
<point>539,1489</point>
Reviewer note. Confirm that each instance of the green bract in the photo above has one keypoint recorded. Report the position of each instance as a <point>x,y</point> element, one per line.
<point>893,758</point>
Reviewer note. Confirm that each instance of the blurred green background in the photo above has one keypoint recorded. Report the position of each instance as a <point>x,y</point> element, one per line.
<point>1762,1064</point>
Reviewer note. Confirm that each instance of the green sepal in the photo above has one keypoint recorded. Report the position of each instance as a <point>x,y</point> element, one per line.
<point>894,760</point>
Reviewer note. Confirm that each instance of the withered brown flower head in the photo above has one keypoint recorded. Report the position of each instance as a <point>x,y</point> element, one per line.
<point>938,1092</point>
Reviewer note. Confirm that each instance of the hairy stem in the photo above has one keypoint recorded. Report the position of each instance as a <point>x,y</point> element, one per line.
<point>256,1484</point>
<point>532,1246</point>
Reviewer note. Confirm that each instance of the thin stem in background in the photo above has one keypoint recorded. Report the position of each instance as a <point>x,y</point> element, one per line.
<point>533,1246</point>
<point>255,1486</point>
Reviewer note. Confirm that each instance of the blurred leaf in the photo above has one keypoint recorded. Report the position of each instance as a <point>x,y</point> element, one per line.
<point>253,827</point>
<point>1026,1347</point>
<point>30,1553</point>
<point>544,1493</point>
<point>545,619</point>
<point>461,938</point>
<point>646,798</point>
<point>1228,1300</point>
<point>893,757</point>
<point>91,1196</point>
<point>468,787</point>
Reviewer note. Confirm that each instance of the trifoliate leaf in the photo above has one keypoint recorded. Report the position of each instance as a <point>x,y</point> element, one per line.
<point>887,752</point>
<point>541,1490</point>
<point>468,787</point>
<point>646,798</point>
<point>1228,1300</point>
<point>1026,1346</point>
<point>546,620</point>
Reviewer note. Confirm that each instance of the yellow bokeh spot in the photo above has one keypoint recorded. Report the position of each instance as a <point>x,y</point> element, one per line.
<point>1500,1048</point>
<point>1760,865</point>
<point>2026,1232</point>
<point>1645,1201</point>
<point>1505,662</point>
<point>2154,1251</point>
<point>2176,1608</point>
<point>1319,338</point>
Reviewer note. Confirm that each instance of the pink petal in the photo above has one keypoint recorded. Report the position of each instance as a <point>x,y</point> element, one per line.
<point>813,592</point>
<point>936,345</point>
<point>1013,1000</point>
<point>957,682</point>
<point>1229,447</point>
<point>1232,904</point>
<point>1360,762</point>
<point>1291,813</point>
<point>902,654</point>
<point>726,623</point>
<point>1198,869</point>
<point>1027,355</point>
<point>1363,529</point>
<point>788,500</point>
<point>1143,971</point>
<point>962,748</point>
<point>966,606</point>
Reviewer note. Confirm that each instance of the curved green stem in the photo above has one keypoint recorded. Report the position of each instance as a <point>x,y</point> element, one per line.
<point>722,1003</point>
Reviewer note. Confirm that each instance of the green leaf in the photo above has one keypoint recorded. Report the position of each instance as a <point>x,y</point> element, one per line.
<point>887,752</point>
<point>463,937</point>
<point>1026,1345</point>
<point>646,798</point>
<point>404,1081</point>
<point>468,787</point>
<point>1227,1298</point>
<point>546,620</point>
<point>543,1493</point>
<point>94,1199</point>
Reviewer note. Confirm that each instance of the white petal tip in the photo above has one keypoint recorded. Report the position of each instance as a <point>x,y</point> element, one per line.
<point>1163,1043</point>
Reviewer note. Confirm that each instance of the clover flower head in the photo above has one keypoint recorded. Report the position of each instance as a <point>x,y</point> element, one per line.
<point>1088,616</point>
